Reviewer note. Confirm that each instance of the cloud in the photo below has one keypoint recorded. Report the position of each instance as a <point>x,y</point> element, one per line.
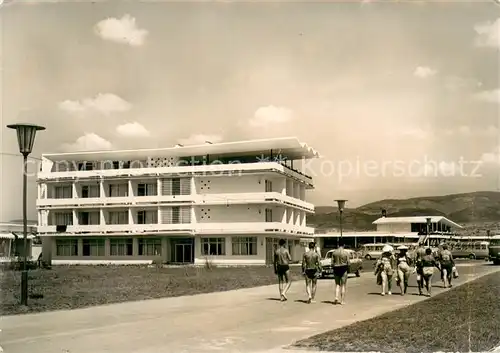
<point>269,115</point>
<point>88,142</point>
<point>492,96</point>
<point>488,34</point>
<point>132,130</point>
<point>424,72</point>
<point>199,139</point>
<point>455,83</point>
<point>104,103</point>
<point>491,157</point>
<point>122,30</point>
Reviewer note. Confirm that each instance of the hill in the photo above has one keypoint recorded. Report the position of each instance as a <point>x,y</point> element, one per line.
<point>478,208</point>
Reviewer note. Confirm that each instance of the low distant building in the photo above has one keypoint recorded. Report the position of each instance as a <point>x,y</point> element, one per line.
<point>12,241</point>
<point>393,230</point>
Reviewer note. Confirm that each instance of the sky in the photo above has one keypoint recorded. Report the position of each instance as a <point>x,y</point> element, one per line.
<point>401,99</point>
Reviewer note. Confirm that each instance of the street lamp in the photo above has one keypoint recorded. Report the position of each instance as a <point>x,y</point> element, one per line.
<point>341,204</point>
<point>25,138</point>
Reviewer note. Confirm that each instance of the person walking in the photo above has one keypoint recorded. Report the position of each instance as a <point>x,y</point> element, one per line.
<point>311,268</point>
<point>403,268</point>
<point>340,265</point>
<point>428,263</point>
<point>446,263</point>
<point>419,254</point>
<point>384,269</point>
<point>282,259</point>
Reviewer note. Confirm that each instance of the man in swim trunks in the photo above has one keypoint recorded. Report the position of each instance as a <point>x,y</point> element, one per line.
<point>446,261</point>
<point>282,260</point>
<point>340,265</point>
<point>311,267</point>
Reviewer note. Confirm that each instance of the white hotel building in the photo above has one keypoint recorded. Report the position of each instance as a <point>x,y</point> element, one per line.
<point>226,202</point>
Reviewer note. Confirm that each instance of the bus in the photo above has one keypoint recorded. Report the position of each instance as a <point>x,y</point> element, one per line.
<point>494,249</point>
<point>472,249</point>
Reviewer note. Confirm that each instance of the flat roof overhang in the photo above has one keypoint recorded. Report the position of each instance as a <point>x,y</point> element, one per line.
<point>290,148</point>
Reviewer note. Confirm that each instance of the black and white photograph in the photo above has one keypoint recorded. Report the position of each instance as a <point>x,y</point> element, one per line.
<point>249,176</point>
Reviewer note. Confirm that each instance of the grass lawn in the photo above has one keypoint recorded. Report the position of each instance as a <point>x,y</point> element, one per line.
<point>70,287</point>
<point>464,319</point>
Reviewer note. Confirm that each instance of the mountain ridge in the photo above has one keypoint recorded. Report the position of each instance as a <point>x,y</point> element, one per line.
<point>476,210</point>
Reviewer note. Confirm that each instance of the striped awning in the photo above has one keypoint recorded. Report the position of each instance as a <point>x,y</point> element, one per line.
<point>10,235</point>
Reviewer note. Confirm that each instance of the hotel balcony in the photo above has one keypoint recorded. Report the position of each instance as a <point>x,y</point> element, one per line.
<point>209,169</point>
<point>172,200</point>
<point>186,228</point>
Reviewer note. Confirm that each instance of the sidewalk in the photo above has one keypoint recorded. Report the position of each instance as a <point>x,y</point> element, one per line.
<point>248,320</point>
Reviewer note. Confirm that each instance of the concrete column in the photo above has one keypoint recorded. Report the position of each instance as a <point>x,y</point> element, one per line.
<point>164,249</point>
<point>102,217</point>
<point>130,216</point>
<point>158,187</point>
<point>75,218</point>
<point>159,215</point>
<point>193,186</point>
<point>47,246</point>
<point>130,189</point>
<point>107,247</point>
<point>74,190</point>
<point>80,246</point>
<point>102,192</point>
<point>193,215</point>
<point>135,246</point>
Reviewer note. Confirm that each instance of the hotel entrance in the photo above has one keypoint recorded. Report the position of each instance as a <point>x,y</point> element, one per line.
<point>182,250</point>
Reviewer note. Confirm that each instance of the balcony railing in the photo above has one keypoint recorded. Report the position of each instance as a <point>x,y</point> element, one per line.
<point>194,228</point>
<point>196,199</point>
<point>209,169</point>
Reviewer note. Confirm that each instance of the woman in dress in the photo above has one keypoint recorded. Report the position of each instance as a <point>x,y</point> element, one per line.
<point>384,269</point>
<point>403,268</point>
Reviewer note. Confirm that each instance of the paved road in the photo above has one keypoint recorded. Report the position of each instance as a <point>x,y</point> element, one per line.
<point>249,320</point>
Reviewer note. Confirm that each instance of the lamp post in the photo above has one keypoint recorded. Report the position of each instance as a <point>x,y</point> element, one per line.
<point>341,204</point>
<point>25,138</point>
<point>428,224</point>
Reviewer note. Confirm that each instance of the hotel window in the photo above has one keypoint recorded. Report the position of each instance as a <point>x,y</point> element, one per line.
<point>85,166</point>
<point>120,246</point>
<point>63,192</point>
<point>269,186</point>
<point>126,165</point>
<point>176,186</point>
<point>89,218</point>
<point>146,189</point>
<point>149,247</point>
<point>66,247</point>
<point>118,190</point>
<point>63,218</point>
<point>90,191</point>
<point>93,247</point>
<point>116,165</point>
<point>176,215</point>
<point>147,217</point>
<point>118,217</point>
<point>213,246</point>
<point>269,215</point>
<point>244,245</point>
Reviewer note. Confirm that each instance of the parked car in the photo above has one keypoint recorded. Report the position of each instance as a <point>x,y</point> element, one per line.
<point>356,263</point>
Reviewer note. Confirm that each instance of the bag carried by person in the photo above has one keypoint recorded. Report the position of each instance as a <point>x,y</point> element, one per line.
<point>428,271</point>
<point>379,278</point>
<point>455,272</point>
